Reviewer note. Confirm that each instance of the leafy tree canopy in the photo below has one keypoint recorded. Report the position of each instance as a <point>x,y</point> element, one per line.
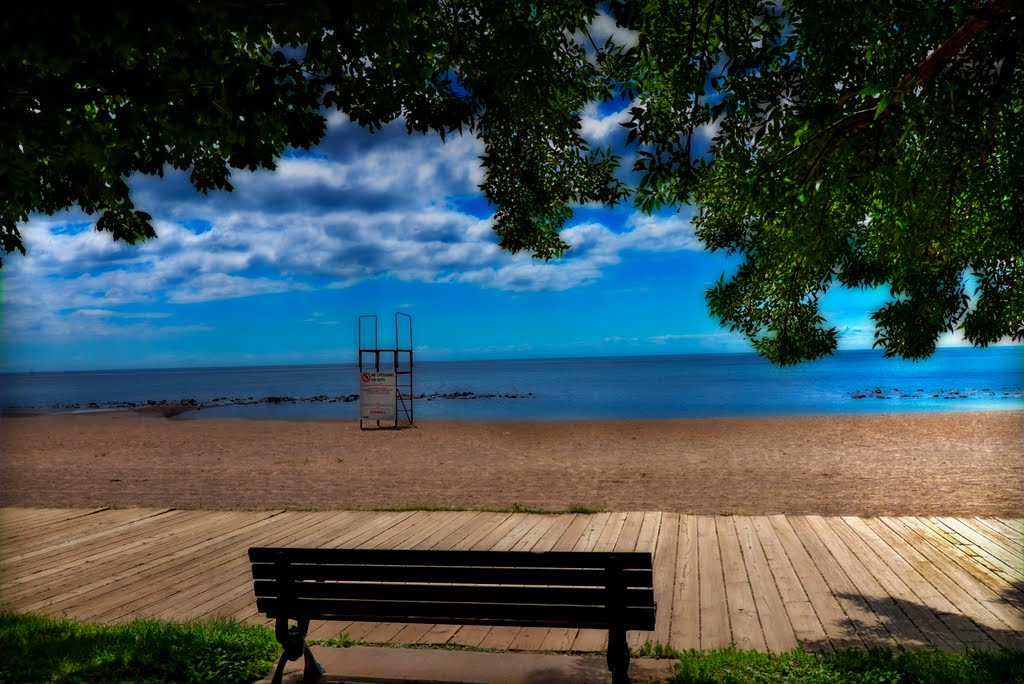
<point>861,143</point>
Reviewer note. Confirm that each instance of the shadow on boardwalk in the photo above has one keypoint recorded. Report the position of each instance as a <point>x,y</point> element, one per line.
<point>909,624</point>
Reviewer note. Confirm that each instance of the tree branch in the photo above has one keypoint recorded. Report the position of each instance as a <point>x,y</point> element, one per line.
<point>926,70</point>
<point>978,21</point>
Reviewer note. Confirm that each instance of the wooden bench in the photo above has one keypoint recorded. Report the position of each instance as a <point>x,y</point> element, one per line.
<point>591,590</point>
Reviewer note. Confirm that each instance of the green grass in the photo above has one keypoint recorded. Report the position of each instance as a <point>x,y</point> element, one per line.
<point>341,641</point>
<point>876,666</point>
<point>39,650</point>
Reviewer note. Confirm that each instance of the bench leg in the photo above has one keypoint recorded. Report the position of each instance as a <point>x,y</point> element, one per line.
<point>293,641</point>
<point>279,671</point>
<point>618,655</point>
<point>312,670</point>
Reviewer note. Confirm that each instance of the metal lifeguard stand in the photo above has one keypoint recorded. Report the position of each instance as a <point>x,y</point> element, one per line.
<point>385,376</point>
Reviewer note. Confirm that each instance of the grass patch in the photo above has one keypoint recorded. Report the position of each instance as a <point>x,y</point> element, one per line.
<point>875,666</point>
<point>38,650</point>
<point>340,641</point>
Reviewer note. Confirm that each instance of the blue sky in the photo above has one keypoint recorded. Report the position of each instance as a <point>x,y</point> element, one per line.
<point>279,270</point>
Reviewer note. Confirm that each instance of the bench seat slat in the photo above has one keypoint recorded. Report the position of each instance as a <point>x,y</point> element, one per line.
<point>460,593</point>
<point>527,615</point>
<point>455,575</point>
<point>447,558</point>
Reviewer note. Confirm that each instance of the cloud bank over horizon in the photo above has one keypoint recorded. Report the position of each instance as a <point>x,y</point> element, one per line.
<point>359,207</point>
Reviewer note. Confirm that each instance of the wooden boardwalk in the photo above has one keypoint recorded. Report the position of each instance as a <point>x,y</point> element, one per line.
<point>763,582</point>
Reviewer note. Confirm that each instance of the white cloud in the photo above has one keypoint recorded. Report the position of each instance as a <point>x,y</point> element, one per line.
<point>359,207</point>
<point>603,130</point>
<point>33,324</point>
<point>719,342</point>
<point>107,313</point>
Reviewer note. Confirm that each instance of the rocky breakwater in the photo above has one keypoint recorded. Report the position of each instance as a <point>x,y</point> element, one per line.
<point>173,407</point>
<point>1001,393</point>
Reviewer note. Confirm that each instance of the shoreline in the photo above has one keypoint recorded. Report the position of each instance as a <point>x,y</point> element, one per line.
<point>946,463</point>
<point>173,410</point>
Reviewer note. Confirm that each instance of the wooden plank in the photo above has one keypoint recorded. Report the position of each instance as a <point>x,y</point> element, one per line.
<point>107,591</point>
<point>40,574</point>
<point>233,589</point>
<point>588,540</point>
<point>715,631</point>
<point>610,534</point>
<point>440,525</point>
<point>374,527</point>
<point>56,580</point>
<point>501,537</point>
<point>394,537</point>
<point>532,638</point>
<point>996,557</point>
<point>1016,524</point>
<point>1008,552</point>
<point>684,630</point>
<point>402,633</point>
<point>527,532</point>
<point>23,517</point>
<point>940,537</point>
<point>870,611</point>
<point>743,618</point>
<point>778,630</point>
<point>832,610</point>
<point>487,535</point>
<point>505,638</point>
<point>214,566</point>
<point>807,627</point>
<point>31,524</point>
<point>77,531</point>
<point>489,525</point>
<point>928,581</point>
<point>70,555</point>
<point>350,534</point>
<point>73,585</point>
<point>972,598</point>
<point>445,525</point>
<point>324,630</point>
<point>665,575</point>
<point>589,640</point>
<point>479,525</point>
<point>582,527</point>
<point>1010,537</point>
<point>328,630</point>
<point>97,530</point>
<point>50,527</point>
<point>907,618</point>
<point>630,532</point>
<point>646,541</point>
<point>448,536</point>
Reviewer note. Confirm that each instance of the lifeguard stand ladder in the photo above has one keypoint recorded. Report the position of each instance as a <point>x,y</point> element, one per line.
<point>397,360</point>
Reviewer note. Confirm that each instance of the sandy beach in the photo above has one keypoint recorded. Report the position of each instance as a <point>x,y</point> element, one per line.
<point>921,464</point>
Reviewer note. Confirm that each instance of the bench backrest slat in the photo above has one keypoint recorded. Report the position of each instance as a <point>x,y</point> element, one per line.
<point>507,559</point>
<point>587,577</point>
<point>526,615</point>
<point>456,593</point>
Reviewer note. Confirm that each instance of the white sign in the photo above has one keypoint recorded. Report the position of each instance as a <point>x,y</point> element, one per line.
<point>377,396</point>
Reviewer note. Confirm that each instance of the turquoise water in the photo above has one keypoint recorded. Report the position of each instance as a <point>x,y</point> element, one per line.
<point>692,386</point>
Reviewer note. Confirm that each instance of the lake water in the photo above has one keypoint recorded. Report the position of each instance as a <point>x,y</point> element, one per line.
<point>691,386</point>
